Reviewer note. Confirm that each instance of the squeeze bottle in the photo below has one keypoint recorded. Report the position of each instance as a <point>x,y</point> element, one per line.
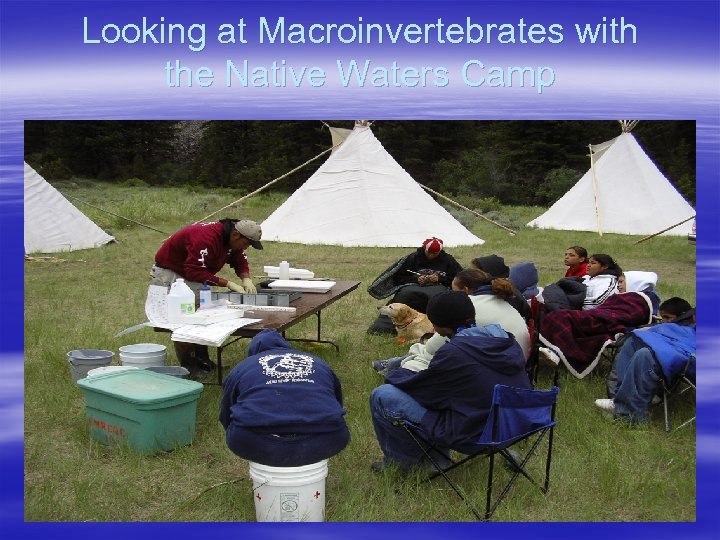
<point>284,270</point>
<point>205,296</point>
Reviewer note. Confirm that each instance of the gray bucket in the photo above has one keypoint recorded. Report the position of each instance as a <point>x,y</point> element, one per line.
<point>83,360</point>
<point>175,371</point>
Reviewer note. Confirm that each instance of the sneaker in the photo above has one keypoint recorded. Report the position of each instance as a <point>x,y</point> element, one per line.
<point>548,357</point>
<point>605,404</point>
<point>380,365</point>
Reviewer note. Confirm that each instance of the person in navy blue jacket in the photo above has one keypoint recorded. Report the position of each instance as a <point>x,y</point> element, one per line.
<point>446,404</point>
<point>283,407</point>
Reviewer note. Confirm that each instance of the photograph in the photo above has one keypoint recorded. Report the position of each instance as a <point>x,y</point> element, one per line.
<point>551,268</point>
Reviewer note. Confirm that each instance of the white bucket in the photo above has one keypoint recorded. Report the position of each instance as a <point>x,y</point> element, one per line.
<point>289,493</point>
<point>143,355</point>
<point>108,369</point>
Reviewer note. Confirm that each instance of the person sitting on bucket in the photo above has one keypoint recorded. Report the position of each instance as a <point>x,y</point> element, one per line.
<point>283,407</point>
<point>196,253</point>
<point>446,404</point>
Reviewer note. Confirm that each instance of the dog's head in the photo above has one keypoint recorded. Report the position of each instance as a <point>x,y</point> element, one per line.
<point>399,313</point>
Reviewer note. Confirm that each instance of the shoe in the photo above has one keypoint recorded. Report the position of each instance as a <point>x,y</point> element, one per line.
<point>656,400</point>
<point>379,466</point>
<point>605,404</point>
<point>205,365</point>
<point>380,365</point>
<point>548,357</point>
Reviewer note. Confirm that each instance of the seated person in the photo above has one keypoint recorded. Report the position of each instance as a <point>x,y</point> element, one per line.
<point>601,280</point>
<point>496,267</point>
<point>490,297</point>
<point>414,279</point>
<point>576,259</point>
<point>644,282</point>
<point>416,359</point>
<point>646,357</point>
<point>282,407</point>
<point>524,277</point>
<point>447,403</point>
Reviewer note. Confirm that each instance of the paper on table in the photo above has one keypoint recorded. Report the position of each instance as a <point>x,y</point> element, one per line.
<point>156,307</point>
<point>213,334</point>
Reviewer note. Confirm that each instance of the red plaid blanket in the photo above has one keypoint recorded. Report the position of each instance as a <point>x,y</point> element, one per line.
<point>579,337</point>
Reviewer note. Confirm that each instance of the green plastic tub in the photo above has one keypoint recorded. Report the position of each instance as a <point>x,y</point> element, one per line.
<point>145,411</point>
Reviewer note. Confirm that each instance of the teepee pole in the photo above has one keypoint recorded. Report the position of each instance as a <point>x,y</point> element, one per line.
<point>258,190</point>
<point>595,191</point>
<point>466,208</point>
<point>664,230</point>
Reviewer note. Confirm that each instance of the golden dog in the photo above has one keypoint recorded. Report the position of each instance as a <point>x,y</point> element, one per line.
<point>410,324</point>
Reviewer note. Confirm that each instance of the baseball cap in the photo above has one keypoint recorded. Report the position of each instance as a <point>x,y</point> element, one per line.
<point>251,231</point>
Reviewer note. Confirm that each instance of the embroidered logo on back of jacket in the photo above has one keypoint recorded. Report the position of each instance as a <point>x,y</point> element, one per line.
<point>287,367</point>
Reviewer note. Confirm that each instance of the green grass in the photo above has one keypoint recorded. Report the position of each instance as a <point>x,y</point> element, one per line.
<point>601,471</point>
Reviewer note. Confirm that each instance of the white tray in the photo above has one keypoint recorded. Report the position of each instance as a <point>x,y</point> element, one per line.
<point>301,285</point>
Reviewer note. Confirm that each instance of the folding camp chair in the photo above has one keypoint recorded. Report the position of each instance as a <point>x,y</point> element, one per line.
<point>516,414</point>
<point>683,383</point>
<point>533,362</point>
<point>532,366</point>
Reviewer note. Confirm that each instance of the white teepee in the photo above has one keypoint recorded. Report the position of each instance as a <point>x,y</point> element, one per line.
<point>52,223</point>
<point>622,192</point>
<point>362,197</point>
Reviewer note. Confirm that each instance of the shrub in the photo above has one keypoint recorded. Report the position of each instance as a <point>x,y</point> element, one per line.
<point>134,182</point>
<point>55,170</point>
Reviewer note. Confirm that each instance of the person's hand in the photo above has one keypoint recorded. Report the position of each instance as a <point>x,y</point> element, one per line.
<point>434,278</point>
<point>248,284</point>
<point>235,287</point>
<point>422,279</point>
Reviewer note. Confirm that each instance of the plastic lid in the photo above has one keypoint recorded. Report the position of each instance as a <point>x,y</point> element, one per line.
<point>141,386</point>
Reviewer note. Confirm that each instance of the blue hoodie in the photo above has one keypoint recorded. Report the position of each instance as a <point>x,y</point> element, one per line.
<point>277,389</point>
<point>672,344</point>
<point>458,384</point>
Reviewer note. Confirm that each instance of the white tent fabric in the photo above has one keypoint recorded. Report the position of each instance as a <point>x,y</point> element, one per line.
<point>362,197</point>
<point>338,135</point>
<point>52,223</point>
<point>633,196</point>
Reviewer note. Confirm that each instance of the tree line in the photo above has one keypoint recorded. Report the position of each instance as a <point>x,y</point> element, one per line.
<point>513,162</point>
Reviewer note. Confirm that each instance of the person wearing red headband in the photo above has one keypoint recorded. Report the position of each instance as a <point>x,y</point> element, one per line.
<point>415,279</point>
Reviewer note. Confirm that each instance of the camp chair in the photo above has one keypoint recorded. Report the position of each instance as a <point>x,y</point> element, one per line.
<point>532,366</point>
<point>516,414</point>
<point>684,383</point>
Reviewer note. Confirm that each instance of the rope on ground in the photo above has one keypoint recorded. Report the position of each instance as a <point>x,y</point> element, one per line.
<point>269,183</point>
<point>664,230</point>
<point>113,214</point>
<point>466,208</point>
<point>205,490</point>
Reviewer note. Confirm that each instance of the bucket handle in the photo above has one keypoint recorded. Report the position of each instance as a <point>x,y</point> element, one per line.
<point>264,480</point>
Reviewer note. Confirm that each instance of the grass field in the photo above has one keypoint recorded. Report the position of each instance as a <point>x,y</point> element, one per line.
<point>601,471</point>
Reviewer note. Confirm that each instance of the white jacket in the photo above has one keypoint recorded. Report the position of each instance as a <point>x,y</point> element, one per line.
<point>490,309</point>
<point>599,289</point>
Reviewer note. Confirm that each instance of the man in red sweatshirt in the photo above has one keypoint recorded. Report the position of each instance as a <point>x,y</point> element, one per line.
<point>196,253</point>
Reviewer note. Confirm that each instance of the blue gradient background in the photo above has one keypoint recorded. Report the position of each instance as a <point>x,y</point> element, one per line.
<point>48,73</point>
